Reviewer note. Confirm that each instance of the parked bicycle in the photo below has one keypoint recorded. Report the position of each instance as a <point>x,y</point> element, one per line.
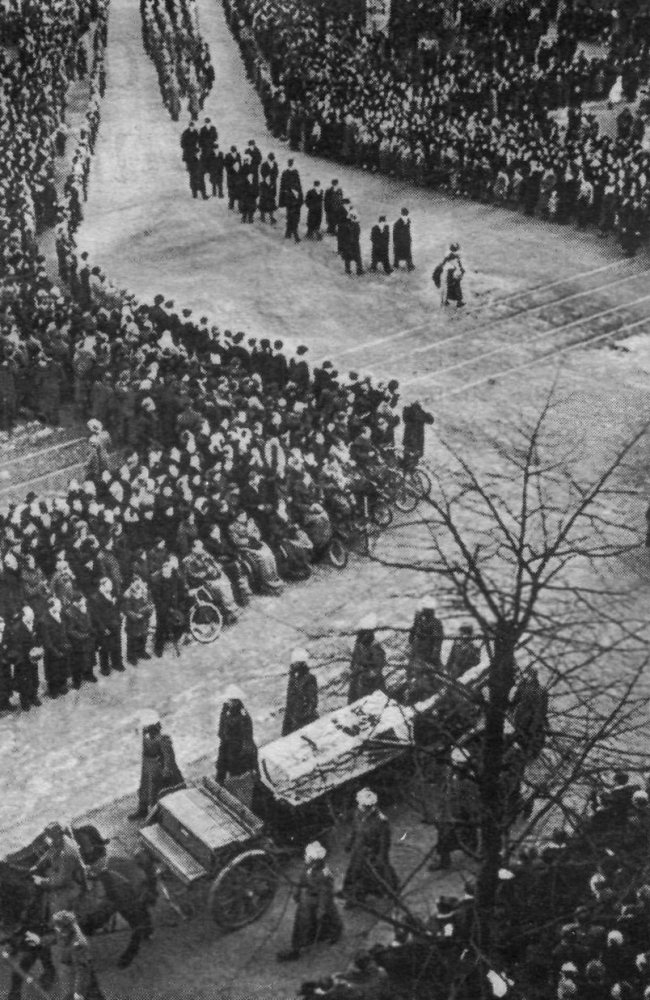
<point>205,618</point>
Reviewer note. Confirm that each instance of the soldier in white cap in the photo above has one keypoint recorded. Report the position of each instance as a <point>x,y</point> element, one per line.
<point>368,661</point>
<point>302,694</point>
<point>317,918</point>
<point>160,772</point>
<point>369,870</point>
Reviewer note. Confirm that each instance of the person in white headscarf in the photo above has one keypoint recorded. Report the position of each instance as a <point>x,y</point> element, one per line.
<point>369,870</point>
<point>317,918</point>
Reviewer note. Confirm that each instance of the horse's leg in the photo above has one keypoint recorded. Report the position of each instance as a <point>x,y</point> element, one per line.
<point>132,948</point>
<point>25,963</point>
<point>49,971</point>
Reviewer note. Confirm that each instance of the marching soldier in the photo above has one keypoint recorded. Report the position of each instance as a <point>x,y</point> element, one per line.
<point>380,242</point>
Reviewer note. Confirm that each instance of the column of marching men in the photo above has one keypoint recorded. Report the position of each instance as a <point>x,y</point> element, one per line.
<point>252,183</point>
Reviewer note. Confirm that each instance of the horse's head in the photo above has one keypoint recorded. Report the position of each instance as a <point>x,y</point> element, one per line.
<point>20,898</point>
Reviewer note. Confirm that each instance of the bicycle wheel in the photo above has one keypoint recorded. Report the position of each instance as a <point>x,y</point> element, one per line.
<point>420,482</point>
<point>405,498</point>
<point>382,515</point>
<point>337,554</point>
<point>205,622</point>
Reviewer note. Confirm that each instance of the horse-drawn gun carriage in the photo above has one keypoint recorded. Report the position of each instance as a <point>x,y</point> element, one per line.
<point>203,835</point>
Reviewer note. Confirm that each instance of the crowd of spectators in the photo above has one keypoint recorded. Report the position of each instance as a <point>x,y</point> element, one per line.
<point>233,450</point>
<point>173,41</point>
<point>61,43</point>
<point>475,118</point>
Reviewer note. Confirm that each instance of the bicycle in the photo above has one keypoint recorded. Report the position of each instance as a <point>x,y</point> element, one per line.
<point>205,618</point>
<point>406,483</point>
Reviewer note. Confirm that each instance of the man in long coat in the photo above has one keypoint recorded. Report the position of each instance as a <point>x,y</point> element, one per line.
<point>107,622</point>
<point>415,418</point>
<point>317,918</point>
<point>160,772</point>
<point>138,609</point>
<point>332,202</point>
<point>314,204</point>
<point>402,249</point>
<point>57,648</point>
<point>82,638</point>
<point>369,870</point>
<point>236,764</point>
<point>24,649</point>
<point>302,694</point>
<point>380,243</point>
<point>425,642</point>
<point>368,661</point>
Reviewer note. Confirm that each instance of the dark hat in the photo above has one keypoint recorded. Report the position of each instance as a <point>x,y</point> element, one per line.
<point>159,298</point>
<point>382,218</point>
<point>169,304</point>
<point>238,337</point>
<point>265,342</point>
<point>187,312</point>
<point>393,385</point>
<point>316,184</point>
<point>301,349</point>
<point>335,181</point>
<point>405,211</point>
<point>327,364</point>
<point>353,376</point>
<point>278,345</point>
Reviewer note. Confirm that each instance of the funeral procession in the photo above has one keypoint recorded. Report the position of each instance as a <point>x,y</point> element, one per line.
<point>324,523</point>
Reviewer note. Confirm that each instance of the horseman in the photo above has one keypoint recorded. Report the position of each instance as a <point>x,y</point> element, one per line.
<point>64,879</point>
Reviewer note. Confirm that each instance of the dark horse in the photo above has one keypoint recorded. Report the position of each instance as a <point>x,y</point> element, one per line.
<point>117,885</point>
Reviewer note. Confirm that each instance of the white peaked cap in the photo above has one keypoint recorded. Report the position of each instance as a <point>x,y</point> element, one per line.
<point>367,623</point>
<point>428,603</point>
<point>299,656</point>
<point>366,797</point>
<point>315,851</point>
<point>149,717</point>
<point>232,692</point>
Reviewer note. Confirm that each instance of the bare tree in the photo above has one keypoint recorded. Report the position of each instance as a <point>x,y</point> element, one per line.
<point>529,548</point>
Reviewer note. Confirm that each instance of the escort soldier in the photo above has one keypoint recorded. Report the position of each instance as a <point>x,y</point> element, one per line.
<point>380,243</point>
<point>302,694</point>
<point>369,870</point>
<point>317,918</point>
<point>368,661</point>
<point>160,772</point>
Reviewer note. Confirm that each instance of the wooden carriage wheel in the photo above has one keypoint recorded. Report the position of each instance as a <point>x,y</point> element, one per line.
<point>244,890</point>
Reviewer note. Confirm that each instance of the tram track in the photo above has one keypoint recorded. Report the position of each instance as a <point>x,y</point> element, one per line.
<point>613,319</point>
